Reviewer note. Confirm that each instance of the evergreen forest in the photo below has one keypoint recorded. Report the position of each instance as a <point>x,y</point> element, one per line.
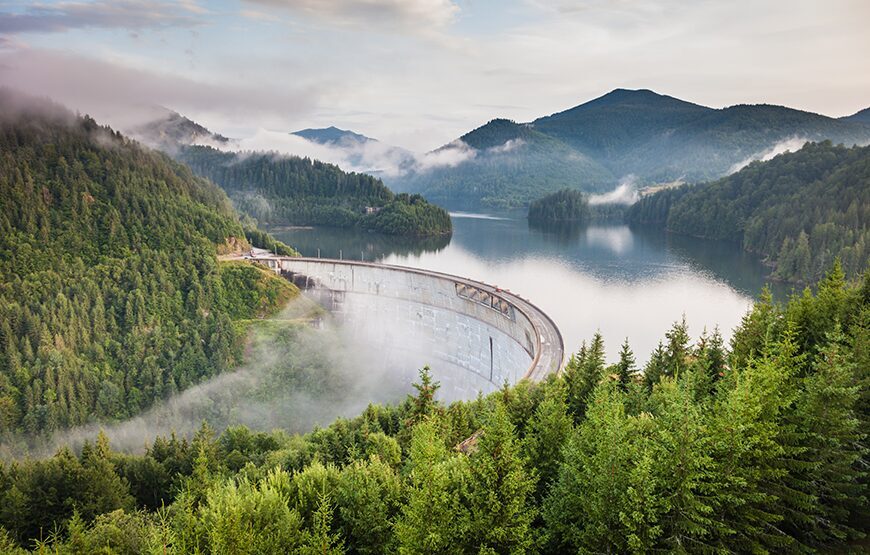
<point>799,211</point>
<point>288,190</point>
<point>754,446</point>
<point>111,292</point>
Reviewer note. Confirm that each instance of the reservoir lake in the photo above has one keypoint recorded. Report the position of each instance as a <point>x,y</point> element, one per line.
<point>621,281</point>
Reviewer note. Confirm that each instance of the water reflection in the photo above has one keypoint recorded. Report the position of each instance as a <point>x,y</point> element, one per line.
<point>618,240</point>
<point>330,242</point>
<point>625,282</point>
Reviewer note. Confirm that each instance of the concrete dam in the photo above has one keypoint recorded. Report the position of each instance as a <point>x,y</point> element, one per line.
<point>474,336</point>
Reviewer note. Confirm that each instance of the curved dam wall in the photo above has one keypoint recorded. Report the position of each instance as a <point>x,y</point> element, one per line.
<point>474,336</point>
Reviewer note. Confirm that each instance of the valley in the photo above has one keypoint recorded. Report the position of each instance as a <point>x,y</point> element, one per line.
<point>527,277</point>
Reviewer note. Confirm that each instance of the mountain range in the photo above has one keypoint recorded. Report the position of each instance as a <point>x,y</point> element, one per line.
<point>636,135</point>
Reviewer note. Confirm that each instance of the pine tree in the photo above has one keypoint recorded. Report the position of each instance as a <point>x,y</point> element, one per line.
<point>320,540</point>
<point>685,470</point>
<point>434,519</point>
<point>833,449</point>
<point>499,490</point>
<point>656,367</point>
<point>546,435</point>
<point>582,510</point>
<point>677,351</point>
<point>626,370</point>
<point>755,450</point>
<point>583,372</point>
<point>757,329</point>
<point>424,404</point>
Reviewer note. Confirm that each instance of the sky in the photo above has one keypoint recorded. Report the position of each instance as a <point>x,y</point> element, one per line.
<point>419,73</point>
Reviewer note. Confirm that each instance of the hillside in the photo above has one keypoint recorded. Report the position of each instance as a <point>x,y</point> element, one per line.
<point>655,138</point>
<point>170,131</point>
<point>860,116</point>
<point>509,165</point>
<point>111,295</point>
<point>660,138</point>
<point>721,141</point>
<point>699,452</point>
<point>622,119</point>
<point>799,210</point>
<point>289,190</point>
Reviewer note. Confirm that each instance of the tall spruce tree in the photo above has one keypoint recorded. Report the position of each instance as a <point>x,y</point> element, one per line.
<point>499,490</point>
<point>582,373</point>
<point>582,510</point>
<point>546,435</point>
<point>625,368</point>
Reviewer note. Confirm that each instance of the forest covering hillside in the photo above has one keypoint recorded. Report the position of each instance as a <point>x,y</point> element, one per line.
<point>562,206</point>
<point>111,294</point>
<point>591,147</point>
<point>512,164</point>
<point>169,131</point>
<point>755,447</point>
<point>799,210</point>
<point>290,190</point>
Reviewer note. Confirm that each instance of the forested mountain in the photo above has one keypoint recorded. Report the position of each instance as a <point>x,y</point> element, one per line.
<point>799,210</point>
<point>508,165</point>
<point>760,447</point>
<point>111,295</point>
<point>660,138</point>
<point>653,137</point>
<point>620,120</point>
<point>332,135</point>
<point>169,131</point>
<point>279,189</point>
<point>861,116</point>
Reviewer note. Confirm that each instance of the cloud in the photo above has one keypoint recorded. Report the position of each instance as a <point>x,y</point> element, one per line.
<point>448,156</point>
<point>124,96</point>
<point>124,14</point>
<point>508,146</point>
<point>256,15</point>
<point>372,157</point>
<point>419,14</point>
<point>624,193</point>
<point>792,144</point>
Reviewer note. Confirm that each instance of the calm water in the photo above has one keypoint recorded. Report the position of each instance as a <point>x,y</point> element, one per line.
<point>625,282</point>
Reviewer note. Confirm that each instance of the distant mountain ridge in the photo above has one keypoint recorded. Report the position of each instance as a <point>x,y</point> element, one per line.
<point>331,135</point>
<point>638,134</point>
<point>652,137</point>
<point>505,164</point>
<point>356,152</point>
<point>861,116</point>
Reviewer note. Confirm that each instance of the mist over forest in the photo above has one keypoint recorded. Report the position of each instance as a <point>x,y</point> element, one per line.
<point>433,276</point>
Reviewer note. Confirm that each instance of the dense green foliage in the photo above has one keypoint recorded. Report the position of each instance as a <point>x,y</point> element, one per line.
<point>511,165</point>
<point>659,138</point>
<point>263,240</point>
<point>283,190</point>
<point>590,147</point>
<point>111,295</point>
<point>759,447</point>
<point>562,206</point>
<point>799,210</point>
